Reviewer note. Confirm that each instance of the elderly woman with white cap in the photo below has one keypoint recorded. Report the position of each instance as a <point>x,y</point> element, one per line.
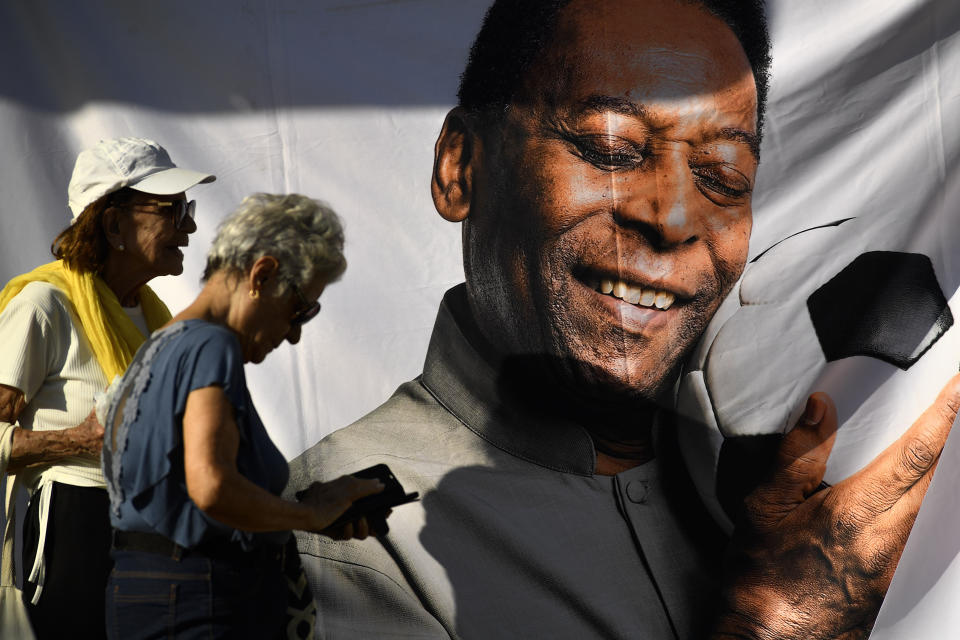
<point>66,329</point>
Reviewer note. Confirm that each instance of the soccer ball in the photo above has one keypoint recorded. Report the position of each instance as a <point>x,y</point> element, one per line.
<point>829,309</point>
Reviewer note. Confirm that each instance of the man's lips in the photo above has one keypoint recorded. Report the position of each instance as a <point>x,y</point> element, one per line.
<point>633,290</point>
<point>635,294</point>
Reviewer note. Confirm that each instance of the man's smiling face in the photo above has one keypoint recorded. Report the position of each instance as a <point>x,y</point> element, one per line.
<point>611,205</point>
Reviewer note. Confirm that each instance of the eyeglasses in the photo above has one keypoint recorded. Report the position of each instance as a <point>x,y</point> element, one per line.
<point>181,210</point>
<point>306,312</point>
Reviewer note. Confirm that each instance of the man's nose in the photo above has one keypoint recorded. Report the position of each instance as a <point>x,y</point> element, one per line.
<point>662,203</point>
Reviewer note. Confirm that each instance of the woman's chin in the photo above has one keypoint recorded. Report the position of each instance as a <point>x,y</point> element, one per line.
<point>256,357</point>
<point>172,265</point>
<point>175,269</point>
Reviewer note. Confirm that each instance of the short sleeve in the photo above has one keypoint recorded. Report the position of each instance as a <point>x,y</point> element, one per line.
<point>212,358</point>
<point>28,343</point>
<point>143,446</point>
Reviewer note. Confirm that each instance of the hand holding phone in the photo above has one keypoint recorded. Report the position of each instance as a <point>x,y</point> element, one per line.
<point>376,507</point>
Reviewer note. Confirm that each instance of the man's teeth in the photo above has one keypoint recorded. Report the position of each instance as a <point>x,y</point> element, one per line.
<point>636,295</point>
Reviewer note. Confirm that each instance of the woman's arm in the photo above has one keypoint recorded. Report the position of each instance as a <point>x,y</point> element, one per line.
<point>42,447</point>
<point>211,441</point>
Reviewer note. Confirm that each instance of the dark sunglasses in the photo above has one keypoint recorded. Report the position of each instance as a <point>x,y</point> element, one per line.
<point>306,312</point>
<point>181,209</point>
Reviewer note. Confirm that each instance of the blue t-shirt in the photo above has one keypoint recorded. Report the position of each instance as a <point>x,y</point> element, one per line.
<point>143,442</point>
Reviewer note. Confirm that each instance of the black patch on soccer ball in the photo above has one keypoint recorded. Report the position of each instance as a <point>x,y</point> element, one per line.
<point>884,304</point>
<point>744,462</point>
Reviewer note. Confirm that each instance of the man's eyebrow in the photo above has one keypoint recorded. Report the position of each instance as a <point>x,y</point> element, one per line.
<point>749,138</point>
<point>601,104</point>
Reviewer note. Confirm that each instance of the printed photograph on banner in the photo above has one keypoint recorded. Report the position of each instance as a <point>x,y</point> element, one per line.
<point>643,315</point>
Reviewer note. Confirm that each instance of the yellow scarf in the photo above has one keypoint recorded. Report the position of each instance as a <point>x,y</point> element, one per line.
<point>111,334</point>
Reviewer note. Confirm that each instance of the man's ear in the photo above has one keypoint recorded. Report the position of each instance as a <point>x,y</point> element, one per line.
<point>455,158</point>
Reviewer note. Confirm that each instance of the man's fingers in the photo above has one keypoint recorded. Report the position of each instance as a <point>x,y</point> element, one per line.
<point>902,514</point>
<point>800,463</point>
<point>883,539</point>
<point>912,457</point>
<point>802,458</point>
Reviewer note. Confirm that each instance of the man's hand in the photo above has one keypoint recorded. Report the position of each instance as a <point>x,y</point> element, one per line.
<point>808,564</point>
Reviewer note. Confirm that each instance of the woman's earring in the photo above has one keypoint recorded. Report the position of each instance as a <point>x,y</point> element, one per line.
<point>120,247</point>
<point>254,294</point>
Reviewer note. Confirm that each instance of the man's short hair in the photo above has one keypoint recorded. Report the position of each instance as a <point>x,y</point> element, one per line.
<point>515,32</point>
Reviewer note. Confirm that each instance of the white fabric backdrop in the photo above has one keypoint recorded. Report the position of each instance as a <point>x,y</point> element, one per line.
<point>337,100</point>
<point>342,100</point>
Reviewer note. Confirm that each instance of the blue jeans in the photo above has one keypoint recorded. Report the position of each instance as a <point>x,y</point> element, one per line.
<point>150,595</point>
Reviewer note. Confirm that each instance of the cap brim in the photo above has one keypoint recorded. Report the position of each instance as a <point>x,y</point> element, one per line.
<point>170,181</point>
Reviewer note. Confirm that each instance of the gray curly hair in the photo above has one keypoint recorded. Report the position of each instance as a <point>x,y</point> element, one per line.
<point>304,235</point>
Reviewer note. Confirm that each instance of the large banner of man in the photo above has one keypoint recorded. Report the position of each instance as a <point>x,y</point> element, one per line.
<point>675,220</point>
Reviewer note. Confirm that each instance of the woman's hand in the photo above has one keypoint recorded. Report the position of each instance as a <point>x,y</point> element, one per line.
<point>329,500</point>
<point>31,448</point>
<point>88,435</point>
<point>211,442</point>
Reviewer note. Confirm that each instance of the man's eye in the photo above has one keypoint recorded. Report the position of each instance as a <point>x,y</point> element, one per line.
<point>609,153</point>
<point>721,184</point>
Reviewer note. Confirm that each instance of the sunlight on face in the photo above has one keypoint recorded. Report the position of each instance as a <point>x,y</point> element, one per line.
<point>614,212</point>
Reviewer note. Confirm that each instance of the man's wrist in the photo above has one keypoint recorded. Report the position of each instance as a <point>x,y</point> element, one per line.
<point>769,614</point>
<point>760,612</point>
<point>732,625</point>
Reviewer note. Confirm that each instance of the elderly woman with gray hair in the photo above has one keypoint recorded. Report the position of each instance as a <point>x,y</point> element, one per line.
<point>193,477</point>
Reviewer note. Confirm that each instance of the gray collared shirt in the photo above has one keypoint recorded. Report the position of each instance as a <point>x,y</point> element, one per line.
<point>515,537</point>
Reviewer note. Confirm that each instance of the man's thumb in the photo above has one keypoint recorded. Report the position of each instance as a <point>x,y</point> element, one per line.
<point>800,463</point>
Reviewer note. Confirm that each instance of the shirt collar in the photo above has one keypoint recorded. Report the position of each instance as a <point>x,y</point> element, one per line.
<point>467,384</point>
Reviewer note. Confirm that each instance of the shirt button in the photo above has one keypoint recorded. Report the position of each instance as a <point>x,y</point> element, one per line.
<point>637,491</point>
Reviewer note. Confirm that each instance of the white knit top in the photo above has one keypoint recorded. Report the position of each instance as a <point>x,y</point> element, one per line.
<point>45,354</point>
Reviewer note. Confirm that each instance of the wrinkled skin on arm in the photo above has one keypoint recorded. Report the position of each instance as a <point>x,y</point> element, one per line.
<point>810,565</point>
<point>43,447</point>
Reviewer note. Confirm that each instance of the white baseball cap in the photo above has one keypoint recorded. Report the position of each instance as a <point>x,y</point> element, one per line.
<point>137,163</point>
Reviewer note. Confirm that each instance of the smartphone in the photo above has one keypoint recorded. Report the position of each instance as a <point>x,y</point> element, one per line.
<point>374,507</point>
